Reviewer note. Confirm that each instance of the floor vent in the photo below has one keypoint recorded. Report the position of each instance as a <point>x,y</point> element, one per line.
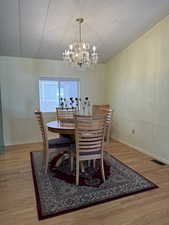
<point>158,162</point>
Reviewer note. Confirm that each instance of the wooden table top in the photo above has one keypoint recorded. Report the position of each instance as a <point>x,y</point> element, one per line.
<point>61,127</point>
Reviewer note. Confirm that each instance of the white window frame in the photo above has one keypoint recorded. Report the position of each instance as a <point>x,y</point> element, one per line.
<point>58,79</point>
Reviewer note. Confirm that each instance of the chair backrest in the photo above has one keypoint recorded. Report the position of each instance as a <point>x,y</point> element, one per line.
<point>108,112</point>
<point>65,114</point>
<point>108,124</point>
<point>40,120</point>
<point>98,109</point>
<point>89,133</point>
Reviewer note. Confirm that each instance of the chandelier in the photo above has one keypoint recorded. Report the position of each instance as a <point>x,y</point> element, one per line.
<point>80,52</point>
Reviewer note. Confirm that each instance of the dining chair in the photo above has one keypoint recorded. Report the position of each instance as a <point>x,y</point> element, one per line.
<point>63,143</point>
<point>96,109</point>
<point>89,136</point>
<point>65,114</point>
<point>108,112</point>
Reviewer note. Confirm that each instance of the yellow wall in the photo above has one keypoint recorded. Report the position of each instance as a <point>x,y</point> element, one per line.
<point>19,82</point>
<point>138,81</point>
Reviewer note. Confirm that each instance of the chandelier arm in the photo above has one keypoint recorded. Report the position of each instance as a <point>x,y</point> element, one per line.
<point>80,32</point>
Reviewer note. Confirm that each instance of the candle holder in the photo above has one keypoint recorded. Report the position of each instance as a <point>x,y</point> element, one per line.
<point>76,103</point>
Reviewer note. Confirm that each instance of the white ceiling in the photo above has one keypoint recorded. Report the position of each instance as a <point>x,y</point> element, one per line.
<point>44,28</point>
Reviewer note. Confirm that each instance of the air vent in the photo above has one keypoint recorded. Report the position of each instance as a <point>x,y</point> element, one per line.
<point>158,162</point>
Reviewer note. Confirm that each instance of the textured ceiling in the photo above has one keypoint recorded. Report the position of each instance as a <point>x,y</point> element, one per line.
<point>44,28</point>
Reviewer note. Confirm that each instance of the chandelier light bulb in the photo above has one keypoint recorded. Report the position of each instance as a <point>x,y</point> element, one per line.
<point>94,48</point>
<point>84,46</point>
<point>71,47</point>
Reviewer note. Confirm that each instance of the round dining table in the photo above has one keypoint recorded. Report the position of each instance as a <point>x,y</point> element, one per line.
<point>61,127</point>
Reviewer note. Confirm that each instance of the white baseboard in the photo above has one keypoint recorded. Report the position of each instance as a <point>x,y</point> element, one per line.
<point>143,151</point>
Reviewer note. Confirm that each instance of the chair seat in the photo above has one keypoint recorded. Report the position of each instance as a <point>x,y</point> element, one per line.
<point>59,142</point>
<point>89,153</point>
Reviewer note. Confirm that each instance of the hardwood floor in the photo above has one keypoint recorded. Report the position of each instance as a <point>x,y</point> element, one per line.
<point>17,197</point>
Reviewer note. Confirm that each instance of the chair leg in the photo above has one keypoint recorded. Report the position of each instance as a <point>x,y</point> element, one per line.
<point>94,163</point>
<point>102,170</point>
<point>59,161</point>
<point>82,167</point>
<point>71,162</point>
<point>46,161</point>
<point>77,172</point>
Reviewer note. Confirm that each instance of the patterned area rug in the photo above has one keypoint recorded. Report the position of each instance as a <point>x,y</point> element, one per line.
<point>56,192</point>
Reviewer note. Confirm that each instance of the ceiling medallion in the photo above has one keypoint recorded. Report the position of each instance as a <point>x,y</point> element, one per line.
<point>80,52</point>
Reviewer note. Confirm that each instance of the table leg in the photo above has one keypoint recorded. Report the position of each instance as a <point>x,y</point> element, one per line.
<point>82,167</point>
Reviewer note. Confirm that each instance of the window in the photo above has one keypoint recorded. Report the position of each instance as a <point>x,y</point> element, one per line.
<point>51,90</point>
